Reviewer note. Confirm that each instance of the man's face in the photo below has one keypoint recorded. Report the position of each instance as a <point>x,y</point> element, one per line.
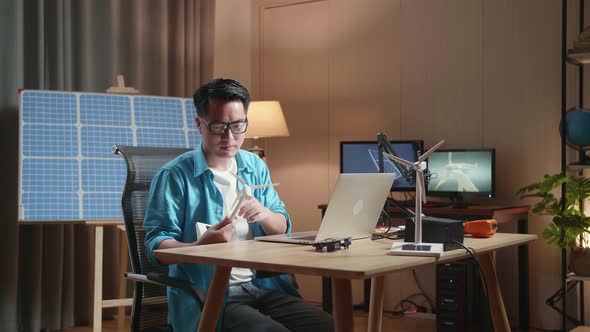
<point>225,146</point>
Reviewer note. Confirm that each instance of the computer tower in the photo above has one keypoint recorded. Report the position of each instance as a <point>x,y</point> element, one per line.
<point>461,304</point>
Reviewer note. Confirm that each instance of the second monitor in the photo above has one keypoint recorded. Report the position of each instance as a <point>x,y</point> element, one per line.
<point>363,157</point>
<point>462,174</point>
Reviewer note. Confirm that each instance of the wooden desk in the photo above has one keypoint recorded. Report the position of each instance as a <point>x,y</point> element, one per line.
<point>365,259</point>
<point>502,213</point>
<point>505,215</point>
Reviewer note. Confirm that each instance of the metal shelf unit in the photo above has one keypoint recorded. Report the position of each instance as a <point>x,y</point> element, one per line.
<point>577,58</point>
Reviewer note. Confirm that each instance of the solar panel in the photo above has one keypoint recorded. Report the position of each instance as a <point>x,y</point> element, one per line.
<point>67,171</point>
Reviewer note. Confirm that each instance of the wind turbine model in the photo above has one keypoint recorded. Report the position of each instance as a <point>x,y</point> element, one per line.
<point>246,192</point>
<point>417,248</point>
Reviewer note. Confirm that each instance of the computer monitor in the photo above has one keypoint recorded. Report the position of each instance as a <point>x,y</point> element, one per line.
<point>462,174</point>
<point>363,157</point>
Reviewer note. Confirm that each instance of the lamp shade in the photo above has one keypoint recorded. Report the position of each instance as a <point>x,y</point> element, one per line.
<point>265,119</point>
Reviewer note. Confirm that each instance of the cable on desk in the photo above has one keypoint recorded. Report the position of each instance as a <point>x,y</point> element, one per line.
<point>388,234</point>
<point>385,216</point>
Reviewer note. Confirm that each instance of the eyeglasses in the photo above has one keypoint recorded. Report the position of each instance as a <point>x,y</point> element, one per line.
<point>219,128</point>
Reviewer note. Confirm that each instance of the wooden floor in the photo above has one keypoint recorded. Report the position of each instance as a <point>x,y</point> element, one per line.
<point>390,324</point>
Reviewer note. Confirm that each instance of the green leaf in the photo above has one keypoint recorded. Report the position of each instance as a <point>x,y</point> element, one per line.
<point>552,234</point>
<point>549,183</point>
<point>577,189</point>
<point>569,223</point>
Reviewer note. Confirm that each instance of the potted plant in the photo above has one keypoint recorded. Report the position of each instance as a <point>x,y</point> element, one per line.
<point>569,228</point>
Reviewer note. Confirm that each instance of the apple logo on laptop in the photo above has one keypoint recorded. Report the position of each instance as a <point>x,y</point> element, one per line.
<point>358,207</point>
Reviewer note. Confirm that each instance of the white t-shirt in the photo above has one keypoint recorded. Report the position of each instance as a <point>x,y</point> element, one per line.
<point>227,184</point>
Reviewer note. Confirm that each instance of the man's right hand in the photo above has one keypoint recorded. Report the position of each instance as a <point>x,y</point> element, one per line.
<point>218,233</point>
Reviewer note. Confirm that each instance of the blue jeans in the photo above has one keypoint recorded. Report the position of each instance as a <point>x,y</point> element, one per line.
<point>250,308</point>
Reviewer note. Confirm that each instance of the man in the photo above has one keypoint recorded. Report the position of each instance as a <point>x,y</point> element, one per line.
<point>200,186</point>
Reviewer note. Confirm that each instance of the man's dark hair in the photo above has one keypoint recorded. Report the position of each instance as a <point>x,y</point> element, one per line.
<point>221,89</point>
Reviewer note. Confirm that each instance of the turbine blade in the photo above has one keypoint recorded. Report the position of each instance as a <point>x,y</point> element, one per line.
<point>239,179</point>
<point>236,209</point>
<point>429,152</point>
<point>399,160</point>
<point>264,185</point>
<point>247,190</point>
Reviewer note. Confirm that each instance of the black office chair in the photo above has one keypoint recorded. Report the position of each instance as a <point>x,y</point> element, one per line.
<point>150,306</point>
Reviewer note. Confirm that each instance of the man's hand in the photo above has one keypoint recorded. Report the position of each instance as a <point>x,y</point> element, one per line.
<point>252,210</point>
<point>218,233</point>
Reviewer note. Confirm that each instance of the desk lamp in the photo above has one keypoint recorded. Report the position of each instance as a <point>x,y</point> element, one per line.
<point>417,248</point>
<point>265,119</point>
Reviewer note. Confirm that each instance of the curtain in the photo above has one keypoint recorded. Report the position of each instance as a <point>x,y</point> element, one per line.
<point>162,48</point>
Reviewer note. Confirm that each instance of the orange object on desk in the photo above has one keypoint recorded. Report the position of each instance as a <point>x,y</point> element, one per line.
<point>481,228</point>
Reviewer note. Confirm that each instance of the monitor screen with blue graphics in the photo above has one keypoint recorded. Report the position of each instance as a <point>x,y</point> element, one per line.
<point>363,157</point>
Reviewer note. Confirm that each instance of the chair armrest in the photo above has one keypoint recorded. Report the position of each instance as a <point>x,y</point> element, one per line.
<point>139,278</point>
<point>167,281</point>
<point>192,289</point>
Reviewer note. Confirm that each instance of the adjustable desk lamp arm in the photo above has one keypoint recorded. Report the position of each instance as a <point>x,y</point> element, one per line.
<point>384,146</point>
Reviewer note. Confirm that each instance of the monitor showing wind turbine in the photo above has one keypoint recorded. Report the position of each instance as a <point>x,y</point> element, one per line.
<point>417,248</point>
<point>462,174</point>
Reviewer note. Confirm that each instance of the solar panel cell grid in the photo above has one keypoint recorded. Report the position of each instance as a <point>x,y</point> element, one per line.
<point>95,205</point>
<point>153,112</point>
<point>67,170</point>
<point>50,175</point>
<point>169,138</point>
<point>191,114</point>
<point>97,141</point>
<point>49,140</point>
<point>50,108</point>
<point>95,179</point>
<point>105,110</point>
<point>50,206</point>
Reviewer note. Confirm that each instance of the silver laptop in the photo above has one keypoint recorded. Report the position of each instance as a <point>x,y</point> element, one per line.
<point>353,210</point>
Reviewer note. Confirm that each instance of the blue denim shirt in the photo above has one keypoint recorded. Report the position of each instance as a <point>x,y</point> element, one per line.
<point>183,193</point>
